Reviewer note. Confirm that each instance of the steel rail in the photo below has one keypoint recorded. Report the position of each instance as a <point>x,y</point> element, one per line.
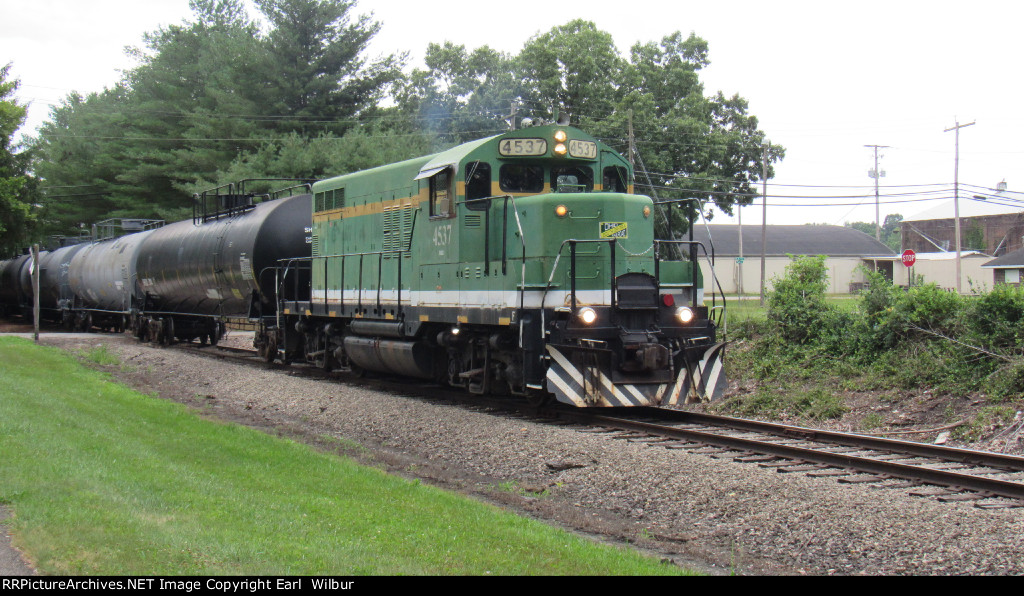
<point>1001,461</point>
<point>950,479</point>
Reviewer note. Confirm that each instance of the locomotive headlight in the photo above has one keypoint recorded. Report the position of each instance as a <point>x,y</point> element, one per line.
<point>685,314</point>
<point>587,315</point>
<point>560,136</point>
<point>560,149</point>
<point>647,212</point>
<point>561,211</point>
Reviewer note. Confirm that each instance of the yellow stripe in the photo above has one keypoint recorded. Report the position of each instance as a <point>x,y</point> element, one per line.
<point>372,208</point>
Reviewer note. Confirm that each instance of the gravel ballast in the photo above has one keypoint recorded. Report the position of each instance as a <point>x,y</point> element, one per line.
<point>710,514</point>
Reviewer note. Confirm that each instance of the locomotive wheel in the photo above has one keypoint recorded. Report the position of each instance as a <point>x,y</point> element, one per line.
<point>540,399</point>
<point>269,350</point>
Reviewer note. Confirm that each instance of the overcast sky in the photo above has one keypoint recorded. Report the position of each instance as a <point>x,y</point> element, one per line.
<point>824,78</point>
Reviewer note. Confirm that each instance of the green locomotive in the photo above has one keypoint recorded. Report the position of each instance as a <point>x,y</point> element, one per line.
<point>516,264</point>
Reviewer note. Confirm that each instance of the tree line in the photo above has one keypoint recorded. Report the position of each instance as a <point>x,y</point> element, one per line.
<point>221,97</point>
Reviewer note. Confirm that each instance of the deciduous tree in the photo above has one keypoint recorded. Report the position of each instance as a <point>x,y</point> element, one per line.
<point>17,187</point>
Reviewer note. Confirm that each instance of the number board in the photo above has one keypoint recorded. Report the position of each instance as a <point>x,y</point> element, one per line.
<point>584,149</point>
<point>517,147</point>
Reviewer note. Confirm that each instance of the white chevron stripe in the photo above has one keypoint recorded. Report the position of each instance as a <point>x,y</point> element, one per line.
<point>681,378</point>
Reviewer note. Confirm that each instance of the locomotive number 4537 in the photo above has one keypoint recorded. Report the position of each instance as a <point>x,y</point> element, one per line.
<point>443,235</point>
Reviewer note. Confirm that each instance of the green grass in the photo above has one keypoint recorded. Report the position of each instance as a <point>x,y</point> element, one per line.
<point>104,480</point>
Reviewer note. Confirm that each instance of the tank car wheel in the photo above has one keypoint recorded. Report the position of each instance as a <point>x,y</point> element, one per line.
<point>217,333</point>
<point>168,332</point>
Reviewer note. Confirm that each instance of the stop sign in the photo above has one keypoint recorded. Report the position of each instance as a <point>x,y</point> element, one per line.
<point>909,257</point>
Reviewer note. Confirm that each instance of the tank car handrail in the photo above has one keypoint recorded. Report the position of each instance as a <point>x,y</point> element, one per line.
<point>274,195</point>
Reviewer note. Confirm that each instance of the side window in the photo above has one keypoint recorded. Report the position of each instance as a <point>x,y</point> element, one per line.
<point>478,185</point>
<point>615,179</point>
<point>572,179</point>
<point>441,193</point>
<point>521,178</point>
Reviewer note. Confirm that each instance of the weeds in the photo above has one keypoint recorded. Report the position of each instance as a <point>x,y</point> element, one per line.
<point>99,355</point>
<point>807,348</point>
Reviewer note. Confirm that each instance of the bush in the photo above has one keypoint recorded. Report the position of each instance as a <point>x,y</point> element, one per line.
<point>895,338</point>
<point>996,318</point>
<point>796,304</point>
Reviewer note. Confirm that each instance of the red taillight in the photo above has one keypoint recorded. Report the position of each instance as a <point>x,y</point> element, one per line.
<point>668,299</point>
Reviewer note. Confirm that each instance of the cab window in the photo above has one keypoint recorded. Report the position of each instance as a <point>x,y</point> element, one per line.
<point>478,185</point>
<point>572,179</point>
<point>441,194</point>
<point>615,179</point>
<point>521,178</point>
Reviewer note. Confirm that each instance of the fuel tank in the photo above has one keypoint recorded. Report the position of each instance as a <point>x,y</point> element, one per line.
<point>102,275</point>
<point>213,267</point>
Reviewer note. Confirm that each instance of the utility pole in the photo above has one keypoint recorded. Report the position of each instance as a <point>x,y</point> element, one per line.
<point>511,119</point>
<point>35,290</point>
<point>764,211</point>
<point>876,174</point>
<point>739,262</point>
<point>632,141</point>
<point>956,195</point>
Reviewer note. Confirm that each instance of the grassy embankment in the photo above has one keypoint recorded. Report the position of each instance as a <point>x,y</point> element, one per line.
<point>104,480</point>
<point>811,356</point>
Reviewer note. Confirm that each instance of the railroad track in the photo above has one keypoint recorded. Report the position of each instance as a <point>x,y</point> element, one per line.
<point>991,480</point>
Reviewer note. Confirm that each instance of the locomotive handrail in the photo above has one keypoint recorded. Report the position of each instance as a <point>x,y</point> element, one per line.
<point>504,246</point>
<point>504,236</point>
<point>344,256</point>
<point>693,245</point>
<point>657,272</point>
<point>572,242</point>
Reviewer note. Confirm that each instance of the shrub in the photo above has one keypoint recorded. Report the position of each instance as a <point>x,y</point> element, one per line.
<point>796,304</point>
<point>996,317</point>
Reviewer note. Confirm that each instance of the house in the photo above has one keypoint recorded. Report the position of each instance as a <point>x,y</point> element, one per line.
<point>847,251</point>
<point>940,268</point>
<point>1008,268</point>
<point>993,226</point>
